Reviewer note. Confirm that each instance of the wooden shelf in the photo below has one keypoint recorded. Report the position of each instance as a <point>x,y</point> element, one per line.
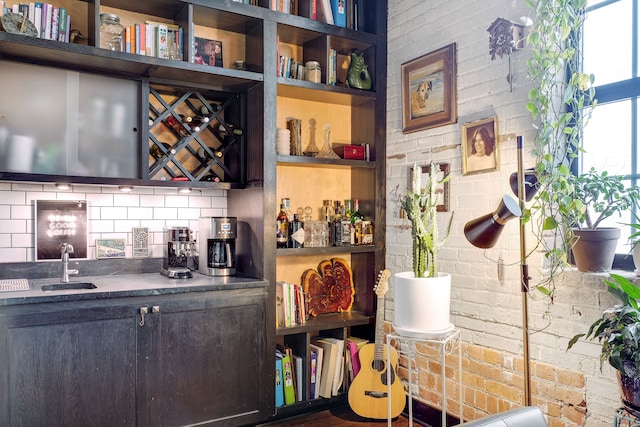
<point>328,321</point>
<point>324,163</point>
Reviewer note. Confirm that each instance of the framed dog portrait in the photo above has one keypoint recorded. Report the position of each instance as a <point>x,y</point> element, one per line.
<point>479,148</point>
<point>429,90</point>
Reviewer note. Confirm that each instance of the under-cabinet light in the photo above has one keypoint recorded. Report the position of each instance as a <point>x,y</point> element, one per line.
<point>185,190</point>
<point>63,186</point>
<point>125,188</point>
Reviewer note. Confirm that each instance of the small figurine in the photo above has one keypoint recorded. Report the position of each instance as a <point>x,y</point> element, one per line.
<point>358,76</point>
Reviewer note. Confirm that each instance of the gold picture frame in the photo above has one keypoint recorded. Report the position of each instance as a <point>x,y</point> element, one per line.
<point>484,157</point>
<point>429,97</point>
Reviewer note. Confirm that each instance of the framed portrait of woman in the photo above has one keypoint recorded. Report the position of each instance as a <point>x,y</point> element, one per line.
<point>479,146</point>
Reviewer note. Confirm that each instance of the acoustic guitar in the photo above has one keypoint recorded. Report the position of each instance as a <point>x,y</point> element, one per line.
<point>370,396</point>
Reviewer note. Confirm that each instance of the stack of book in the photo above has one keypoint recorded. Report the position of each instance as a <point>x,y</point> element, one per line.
<point>52,22</point>
<point>291,307</point>
<point>156,39</point>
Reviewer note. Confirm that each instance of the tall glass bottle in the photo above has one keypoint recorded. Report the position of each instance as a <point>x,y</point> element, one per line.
<point>296,232</point>
<point>282,230</point>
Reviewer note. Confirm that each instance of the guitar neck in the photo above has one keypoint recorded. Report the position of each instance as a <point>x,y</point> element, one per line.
<point>379,344</point>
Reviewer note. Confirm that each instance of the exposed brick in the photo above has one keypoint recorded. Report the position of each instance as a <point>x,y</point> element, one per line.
<point>573,379</point>
<point>545,371</point>
<point>492,357</point>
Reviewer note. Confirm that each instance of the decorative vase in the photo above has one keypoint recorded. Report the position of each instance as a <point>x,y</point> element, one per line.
<point>630,393</point>
<point>422,305</point>
<point>594,250</point>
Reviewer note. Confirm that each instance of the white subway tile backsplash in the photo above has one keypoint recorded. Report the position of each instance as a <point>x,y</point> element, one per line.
<point>180,201</point>
<point>100,226</point>
<point>126,200</point>
<point>13,226</point>
<point>165,213</point>
<point>20,212</point>
<point>152,201</point>
<point>12,197</point>
<point>139,213</point>
<point>113,213</point>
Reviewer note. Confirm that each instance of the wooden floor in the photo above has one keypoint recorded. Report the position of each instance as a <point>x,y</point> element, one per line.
<point>341,416</point>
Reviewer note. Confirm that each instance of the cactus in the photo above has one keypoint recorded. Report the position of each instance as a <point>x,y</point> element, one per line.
<point>420,205</point>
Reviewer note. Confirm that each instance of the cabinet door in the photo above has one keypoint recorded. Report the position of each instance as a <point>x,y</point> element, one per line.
<point>210,353</point>
<point>69,367</point>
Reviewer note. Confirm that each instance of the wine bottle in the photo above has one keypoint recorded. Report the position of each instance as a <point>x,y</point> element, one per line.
<point>356,215</point>
<point>204,154</point>
<point>282,230</point>
<point>296,231</point>
<point>227,129</point>
<point>174,124</point>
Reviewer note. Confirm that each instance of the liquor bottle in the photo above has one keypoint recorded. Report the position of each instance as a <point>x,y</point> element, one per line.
<point>337,224</point>
<point>296,232</point>
<point>355,214</point>
<point>282,231</point>
<point>328,212</point>
<point>287,208</point>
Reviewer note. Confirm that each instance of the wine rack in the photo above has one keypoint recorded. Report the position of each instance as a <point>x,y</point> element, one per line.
<point>192,135</point>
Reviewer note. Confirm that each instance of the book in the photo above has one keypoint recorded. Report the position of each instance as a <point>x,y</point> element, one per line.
<point>55,14</point>
<point>298,372</point>
<point>324,12</point>
<point>62,24</point>
<point>287,374</point>
<point>279,383</point>
<point>313,365</point>
<point>339,12</point>
<point>319,361</point>
<point>338,375</point>
<point>329,361</point>
<point>308,9</point>
<point>353,346</point>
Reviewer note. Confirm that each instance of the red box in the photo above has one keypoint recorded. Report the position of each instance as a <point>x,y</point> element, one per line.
<point>350,152</point>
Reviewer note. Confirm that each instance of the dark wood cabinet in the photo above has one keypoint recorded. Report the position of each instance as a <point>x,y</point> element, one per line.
<point>188,360</point>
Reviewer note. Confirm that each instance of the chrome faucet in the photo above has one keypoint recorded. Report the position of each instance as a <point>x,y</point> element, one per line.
<point>67,249</point>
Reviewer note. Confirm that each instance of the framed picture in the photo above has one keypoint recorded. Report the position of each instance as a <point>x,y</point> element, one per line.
<point>479,148</point>
<point>207,52</point>
<point>443,189</point>
<point>429,96</point>
<point>57,222</point>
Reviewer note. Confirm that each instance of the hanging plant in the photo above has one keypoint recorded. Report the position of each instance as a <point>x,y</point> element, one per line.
<point>560,102</point>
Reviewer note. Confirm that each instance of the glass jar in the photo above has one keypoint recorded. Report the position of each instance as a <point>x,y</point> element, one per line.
<point>111,32</point>
<point>312,71</point>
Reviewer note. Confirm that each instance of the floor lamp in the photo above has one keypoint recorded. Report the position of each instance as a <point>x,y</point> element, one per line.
<point>484,232</point>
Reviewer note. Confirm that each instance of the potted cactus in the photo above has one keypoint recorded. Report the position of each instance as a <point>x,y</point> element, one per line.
<point>422,295</point>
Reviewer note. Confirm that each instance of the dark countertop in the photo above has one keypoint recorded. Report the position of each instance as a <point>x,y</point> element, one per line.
<point>126,285</point>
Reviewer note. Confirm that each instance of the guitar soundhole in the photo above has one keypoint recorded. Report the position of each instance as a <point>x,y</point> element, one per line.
<point>379,365</point>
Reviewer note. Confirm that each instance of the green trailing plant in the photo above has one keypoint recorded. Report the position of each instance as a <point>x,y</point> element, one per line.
<point>618,329</point>
<point>560,103</point>
<point>421,206</point>
<point>601,196</point>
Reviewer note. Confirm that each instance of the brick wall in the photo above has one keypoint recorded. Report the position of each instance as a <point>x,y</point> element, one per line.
<point>112,214</point>
<point>568,386</point>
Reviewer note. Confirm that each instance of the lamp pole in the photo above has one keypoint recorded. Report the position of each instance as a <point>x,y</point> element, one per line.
<point>524,279</point>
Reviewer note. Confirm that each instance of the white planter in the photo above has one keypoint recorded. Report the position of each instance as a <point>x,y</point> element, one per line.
<point>636,258</point>
<point>422,304</point>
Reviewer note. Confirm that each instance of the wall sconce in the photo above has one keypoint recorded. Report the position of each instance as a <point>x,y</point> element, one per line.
<point>505,37</point>
<point>125,188</point>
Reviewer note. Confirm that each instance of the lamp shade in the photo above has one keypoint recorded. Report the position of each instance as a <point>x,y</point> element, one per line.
<point>484,232</point>
<point>530,182</point>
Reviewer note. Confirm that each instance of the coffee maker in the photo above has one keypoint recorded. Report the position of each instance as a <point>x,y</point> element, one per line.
<point>180,253</point>
<point>218,246</point>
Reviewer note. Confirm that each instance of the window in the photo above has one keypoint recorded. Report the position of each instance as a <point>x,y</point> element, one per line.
<point>610,46</point>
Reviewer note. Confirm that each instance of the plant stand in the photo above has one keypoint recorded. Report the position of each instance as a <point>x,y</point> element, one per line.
<point>623,418</point>
<point>411,347</point>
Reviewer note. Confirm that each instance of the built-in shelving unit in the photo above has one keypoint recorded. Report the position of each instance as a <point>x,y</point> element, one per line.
<point>256,177</point>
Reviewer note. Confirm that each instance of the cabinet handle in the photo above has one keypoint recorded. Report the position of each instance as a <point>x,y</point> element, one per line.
<point>155,309</point>
<point>143,311</point>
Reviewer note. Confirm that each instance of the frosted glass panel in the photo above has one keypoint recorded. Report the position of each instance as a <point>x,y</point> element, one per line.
<point>67,123</point>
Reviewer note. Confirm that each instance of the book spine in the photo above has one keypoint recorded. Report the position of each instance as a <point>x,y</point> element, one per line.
<point>279,383</point>
<point>47,21</point>
<point>163,49</point>
<point>313,365</point>
<point>38,17</point>
<point>55,14</point>
<point>62,24</point>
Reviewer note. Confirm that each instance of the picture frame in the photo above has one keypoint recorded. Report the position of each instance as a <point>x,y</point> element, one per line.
<point>57,222</point>
<point>207,52</point>
<point>483,158</point>
<point>110,248</point>
<point>443,189</point>
<point>429,92</point>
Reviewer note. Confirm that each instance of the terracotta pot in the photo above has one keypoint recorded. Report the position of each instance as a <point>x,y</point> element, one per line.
<point>594,250</point>
<point>422,304</point>
<point>630,393</point>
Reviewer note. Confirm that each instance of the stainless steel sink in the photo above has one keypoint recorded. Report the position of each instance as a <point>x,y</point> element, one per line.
<point>68,286</point>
